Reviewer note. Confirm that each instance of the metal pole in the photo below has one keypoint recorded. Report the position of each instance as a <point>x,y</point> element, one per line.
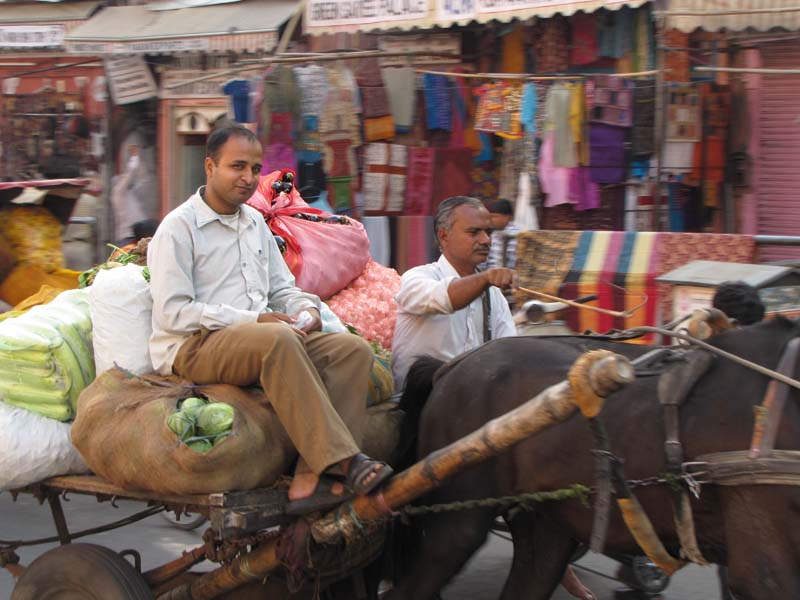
<point>661,120</point>
<point>777,240</point>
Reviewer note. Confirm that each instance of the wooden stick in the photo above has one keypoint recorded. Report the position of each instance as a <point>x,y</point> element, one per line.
<point>746,70</point>
<point>604,311</point>
<point>294,58</point>
<point>528,77</point>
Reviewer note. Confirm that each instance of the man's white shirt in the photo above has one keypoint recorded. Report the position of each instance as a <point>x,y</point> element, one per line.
<point>428,325</point>
<point>213,271</point>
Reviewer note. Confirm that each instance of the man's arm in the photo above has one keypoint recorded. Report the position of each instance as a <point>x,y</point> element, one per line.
<point>175,308</point>
<point>464,290</point>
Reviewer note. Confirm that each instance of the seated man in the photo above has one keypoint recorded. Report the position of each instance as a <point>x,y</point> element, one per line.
<point>442,307</point>
<point>226,310</point>
<point>447,308</point>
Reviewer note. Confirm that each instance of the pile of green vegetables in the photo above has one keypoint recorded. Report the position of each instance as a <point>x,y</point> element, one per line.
<point>200,424</point>
<point>119,258</point>
<point>46,356</point>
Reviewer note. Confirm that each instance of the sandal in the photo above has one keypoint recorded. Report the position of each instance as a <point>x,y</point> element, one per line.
<point>361,467</point>
<point>321,499</point>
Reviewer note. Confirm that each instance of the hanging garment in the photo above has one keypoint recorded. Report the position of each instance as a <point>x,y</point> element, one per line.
<point>524,212</point>
<point>339,126</point>
<point>438,101</point>
<point>551,44</point>
<point>553,178</point>
<point>313,83</point>
<point>607,153</point>
<point>528,108</point>
<point>384,178</point>
<point>584,39</point>
<point>584,192</point>
<point>559,106</point>
<point>644,114</point>
<point>239,92</point>
<point>513,52</point>
<point>400,84</point>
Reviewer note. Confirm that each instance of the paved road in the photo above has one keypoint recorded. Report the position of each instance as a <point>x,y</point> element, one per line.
<point>159,542</point>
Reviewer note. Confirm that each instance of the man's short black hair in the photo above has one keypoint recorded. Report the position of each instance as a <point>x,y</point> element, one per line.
<point>221,135</point>
<point>739,301</point>
<point>501,207</point>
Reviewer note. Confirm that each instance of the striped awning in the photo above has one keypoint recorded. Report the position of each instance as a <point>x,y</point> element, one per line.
<point>338,16</point>
<point>733,15</point>
<point>248,25</point>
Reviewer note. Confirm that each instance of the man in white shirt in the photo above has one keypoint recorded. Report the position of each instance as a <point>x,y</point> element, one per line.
<point>226,310</point>
<point>441,305</point>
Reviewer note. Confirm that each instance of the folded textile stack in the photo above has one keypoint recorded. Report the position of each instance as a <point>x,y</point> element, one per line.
<point>46,356</point>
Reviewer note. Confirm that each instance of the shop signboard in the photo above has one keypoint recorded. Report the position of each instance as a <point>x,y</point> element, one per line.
<point>350,14</point>
<point>418,43</point>
<point>181,83</point>
<point>329,16</point>
<point>130,79</point>
<point>31,36</point>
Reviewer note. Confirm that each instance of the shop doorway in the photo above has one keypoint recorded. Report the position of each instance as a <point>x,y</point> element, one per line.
<point>191,154</point>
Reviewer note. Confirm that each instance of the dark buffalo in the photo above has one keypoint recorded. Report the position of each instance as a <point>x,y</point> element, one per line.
<point>754,530</point>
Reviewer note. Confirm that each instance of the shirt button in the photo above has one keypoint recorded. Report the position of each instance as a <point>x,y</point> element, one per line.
<point>244,264</point>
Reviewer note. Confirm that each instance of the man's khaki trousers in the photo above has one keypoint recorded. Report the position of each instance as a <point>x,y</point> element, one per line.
<point>316,384</point>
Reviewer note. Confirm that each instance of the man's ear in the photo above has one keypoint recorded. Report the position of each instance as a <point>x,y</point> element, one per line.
<point>442,235</point>
<point>209,165</point>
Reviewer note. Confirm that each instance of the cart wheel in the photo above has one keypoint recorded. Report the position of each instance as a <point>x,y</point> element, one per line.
<point>646,576</point>
<point>187,522</point>
<point>81,572</point>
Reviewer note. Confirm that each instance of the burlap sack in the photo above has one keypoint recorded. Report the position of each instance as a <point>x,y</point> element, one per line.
<point>121,433</point>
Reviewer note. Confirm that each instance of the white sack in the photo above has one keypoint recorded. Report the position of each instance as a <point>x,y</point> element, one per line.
<point>33,447</point>
<point>121,308</point>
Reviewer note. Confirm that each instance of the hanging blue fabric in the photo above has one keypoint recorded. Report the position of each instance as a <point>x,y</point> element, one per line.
<point>438,102</point>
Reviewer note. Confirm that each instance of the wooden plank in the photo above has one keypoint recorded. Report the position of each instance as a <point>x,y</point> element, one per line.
<point>92,484</point>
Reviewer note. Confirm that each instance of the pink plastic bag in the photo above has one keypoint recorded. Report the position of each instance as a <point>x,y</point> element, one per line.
<point>323,257</point>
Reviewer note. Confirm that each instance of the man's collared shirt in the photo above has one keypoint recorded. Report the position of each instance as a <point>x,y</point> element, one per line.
<point>427,324</point>
<point>213,271</point>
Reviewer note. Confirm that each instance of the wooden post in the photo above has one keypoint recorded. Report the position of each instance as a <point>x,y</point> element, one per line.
<point>593,376</point>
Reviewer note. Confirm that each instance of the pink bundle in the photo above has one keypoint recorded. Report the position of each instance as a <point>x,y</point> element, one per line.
<point>368,303</point>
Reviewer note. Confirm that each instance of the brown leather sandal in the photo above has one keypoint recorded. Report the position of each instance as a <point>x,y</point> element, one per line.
<point>361,467</point>
<point>321,499</point>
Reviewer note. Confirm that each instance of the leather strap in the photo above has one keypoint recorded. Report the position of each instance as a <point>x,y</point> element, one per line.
<point>487,315</point>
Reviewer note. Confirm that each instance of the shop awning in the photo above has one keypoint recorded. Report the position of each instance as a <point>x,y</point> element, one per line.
<point>248,25</point>
<point>336,16</point>
<point>733,15</point>
<point>40,25</point>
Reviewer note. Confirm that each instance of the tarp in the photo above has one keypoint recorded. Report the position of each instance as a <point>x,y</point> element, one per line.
<point>335,16</point>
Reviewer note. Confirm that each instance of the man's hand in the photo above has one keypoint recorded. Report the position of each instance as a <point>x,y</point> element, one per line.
<point>275,317</point>
<point>501,277</point>
<point>315,324</point>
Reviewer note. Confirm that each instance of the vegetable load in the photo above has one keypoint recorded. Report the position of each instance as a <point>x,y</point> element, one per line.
<point>46,356</point>
<point>201,425</point>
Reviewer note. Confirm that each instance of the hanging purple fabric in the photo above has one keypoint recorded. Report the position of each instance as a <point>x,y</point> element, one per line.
<point>607,153</point>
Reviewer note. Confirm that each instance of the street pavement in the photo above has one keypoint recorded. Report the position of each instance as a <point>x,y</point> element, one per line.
<point>159,542</point>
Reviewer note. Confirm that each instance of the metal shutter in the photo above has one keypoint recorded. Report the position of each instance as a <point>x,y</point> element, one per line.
<point>779,163</point>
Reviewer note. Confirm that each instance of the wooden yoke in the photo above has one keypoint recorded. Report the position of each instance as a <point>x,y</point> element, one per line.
<point>598,372</point>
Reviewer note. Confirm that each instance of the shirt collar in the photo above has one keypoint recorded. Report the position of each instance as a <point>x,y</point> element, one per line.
<point>204,214</point>
<point>447,269</point>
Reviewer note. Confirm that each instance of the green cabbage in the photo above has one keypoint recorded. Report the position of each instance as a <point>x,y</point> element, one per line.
<point>193,403</point>
<point>215,418</point>
<point>181,424</point>
<point>200,446</point>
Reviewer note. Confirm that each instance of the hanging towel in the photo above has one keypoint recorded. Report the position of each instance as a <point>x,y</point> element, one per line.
<point>524,213</point>
<point>400,86</point>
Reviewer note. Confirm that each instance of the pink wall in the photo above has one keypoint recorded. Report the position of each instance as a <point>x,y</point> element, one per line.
<point>751,58</point>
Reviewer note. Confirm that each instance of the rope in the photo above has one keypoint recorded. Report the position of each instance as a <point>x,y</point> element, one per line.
<point>527,501</point>
<point>524,501</point>
<point>738,360</point>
